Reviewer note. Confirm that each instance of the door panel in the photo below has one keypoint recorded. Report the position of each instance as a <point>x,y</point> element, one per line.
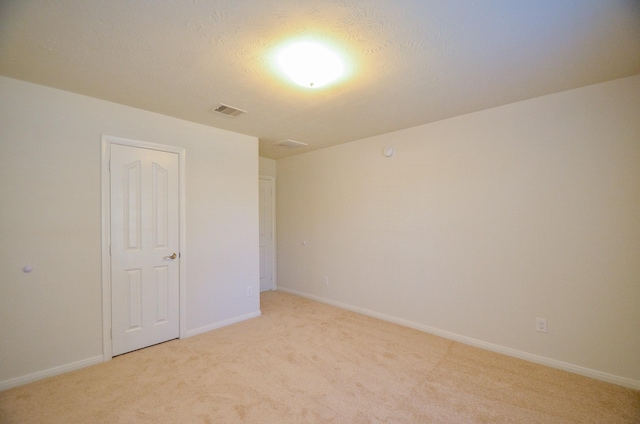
<point>162,294</point>
<point>144,235</point>
<point>134,299</point>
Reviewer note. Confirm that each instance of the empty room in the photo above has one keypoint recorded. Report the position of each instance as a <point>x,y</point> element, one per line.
<point>330,211</point>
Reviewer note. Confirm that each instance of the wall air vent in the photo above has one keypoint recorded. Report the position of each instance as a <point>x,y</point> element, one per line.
<point>228,110</point>
<point>291,144</point>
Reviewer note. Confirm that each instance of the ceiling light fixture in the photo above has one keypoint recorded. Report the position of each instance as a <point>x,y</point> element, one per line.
<point>310,64</point>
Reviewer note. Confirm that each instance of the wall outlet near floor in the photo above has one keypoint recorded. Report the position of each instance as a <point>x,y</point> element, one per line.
<point>325,281</point>
<point>249,291</point>
<point>541,325</point>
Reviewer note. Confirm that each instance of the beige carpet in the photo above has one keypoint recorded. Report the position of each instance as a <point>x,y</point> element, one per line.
<point>306,362</point>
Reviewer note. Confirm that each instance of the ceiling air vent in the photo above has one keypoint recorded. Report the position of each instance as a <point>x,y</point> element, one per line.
<point>228,110</point>
<point>291,144</point>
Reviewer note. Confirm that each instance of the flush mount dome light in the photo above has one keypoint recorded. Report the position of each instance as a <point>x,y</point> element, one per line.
<point>310,64</point>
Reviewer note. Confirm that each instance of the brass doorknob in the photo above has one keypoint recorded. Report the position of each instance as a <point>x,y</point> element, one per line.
<point>172,256</point>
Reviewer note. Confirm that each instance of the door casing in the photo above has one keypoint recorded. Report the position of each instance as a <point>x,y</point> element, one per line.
<point>107,141</point>
<point>272,222</point>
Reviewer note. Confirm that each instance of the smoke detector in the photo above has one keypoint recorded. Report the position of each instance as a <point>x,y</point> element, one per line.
<point>291,144</point>
<point>228,110</point>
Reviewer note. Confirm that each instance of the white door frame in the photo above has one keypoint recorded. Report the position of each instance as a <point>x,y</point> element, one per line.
<point>274,281</point>
<point>107,141</point>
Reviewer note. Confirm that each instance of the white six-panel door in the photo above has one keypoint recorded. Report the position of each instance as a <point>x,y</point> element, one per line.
<point>144,247</point>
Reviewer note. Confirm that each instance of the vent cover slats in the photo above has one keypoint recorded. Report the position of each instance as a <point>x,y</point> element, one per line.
<point>228,110</point>
<point>291,144</point>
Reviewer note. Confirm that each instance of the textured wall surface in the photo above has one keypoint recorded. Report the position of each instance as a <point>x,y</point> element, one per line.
<point>479,224</point>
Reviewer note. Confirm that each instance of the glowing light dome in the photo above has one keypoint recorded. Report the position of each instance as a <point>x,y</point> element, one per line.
<point>310,64</point>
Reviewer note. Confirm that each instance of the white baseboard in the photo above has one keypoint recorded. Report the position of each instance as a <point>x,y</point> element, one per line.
<point>221,324</point>
<point>19,381</point>
<point>553,363</point>
<point>29,378</point>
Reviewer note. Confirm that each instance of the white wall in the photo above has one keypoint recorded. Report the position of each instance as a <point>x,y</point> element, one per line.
<point>267,167</point>
<point>481,223</point>
<point>51,219</point>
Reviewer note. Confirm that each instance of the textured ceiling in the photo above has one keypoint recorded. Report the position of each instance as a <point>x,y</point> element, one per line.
<point>411,61</point>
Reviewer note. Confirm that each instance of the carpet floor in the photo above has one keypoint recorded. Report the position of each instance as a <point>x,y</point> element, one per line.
<point>307,362</point>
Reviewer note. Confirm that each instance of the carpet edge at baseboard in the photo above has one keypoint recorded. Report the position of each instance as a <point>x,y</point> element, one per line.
<point>50,372</point>
<point>61,369</point>
<point>224,323</point>
<point>553,363</point>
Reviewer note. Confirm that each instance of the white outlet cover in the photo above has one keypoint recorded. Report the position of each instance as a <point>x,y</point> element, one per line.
<point>541,325</point>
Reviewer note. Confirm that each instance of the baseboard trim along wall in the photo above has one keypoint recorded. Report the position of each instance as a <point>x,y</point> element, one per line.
<point>221,324</point>
<point>30,378</point>
<point>587,372</point>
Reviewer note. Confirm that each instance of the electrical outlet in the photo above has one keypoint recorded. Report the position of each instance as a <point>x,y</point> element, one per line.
<point>541,325</point>
<point>325,280</point>
<point>249,291</point>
